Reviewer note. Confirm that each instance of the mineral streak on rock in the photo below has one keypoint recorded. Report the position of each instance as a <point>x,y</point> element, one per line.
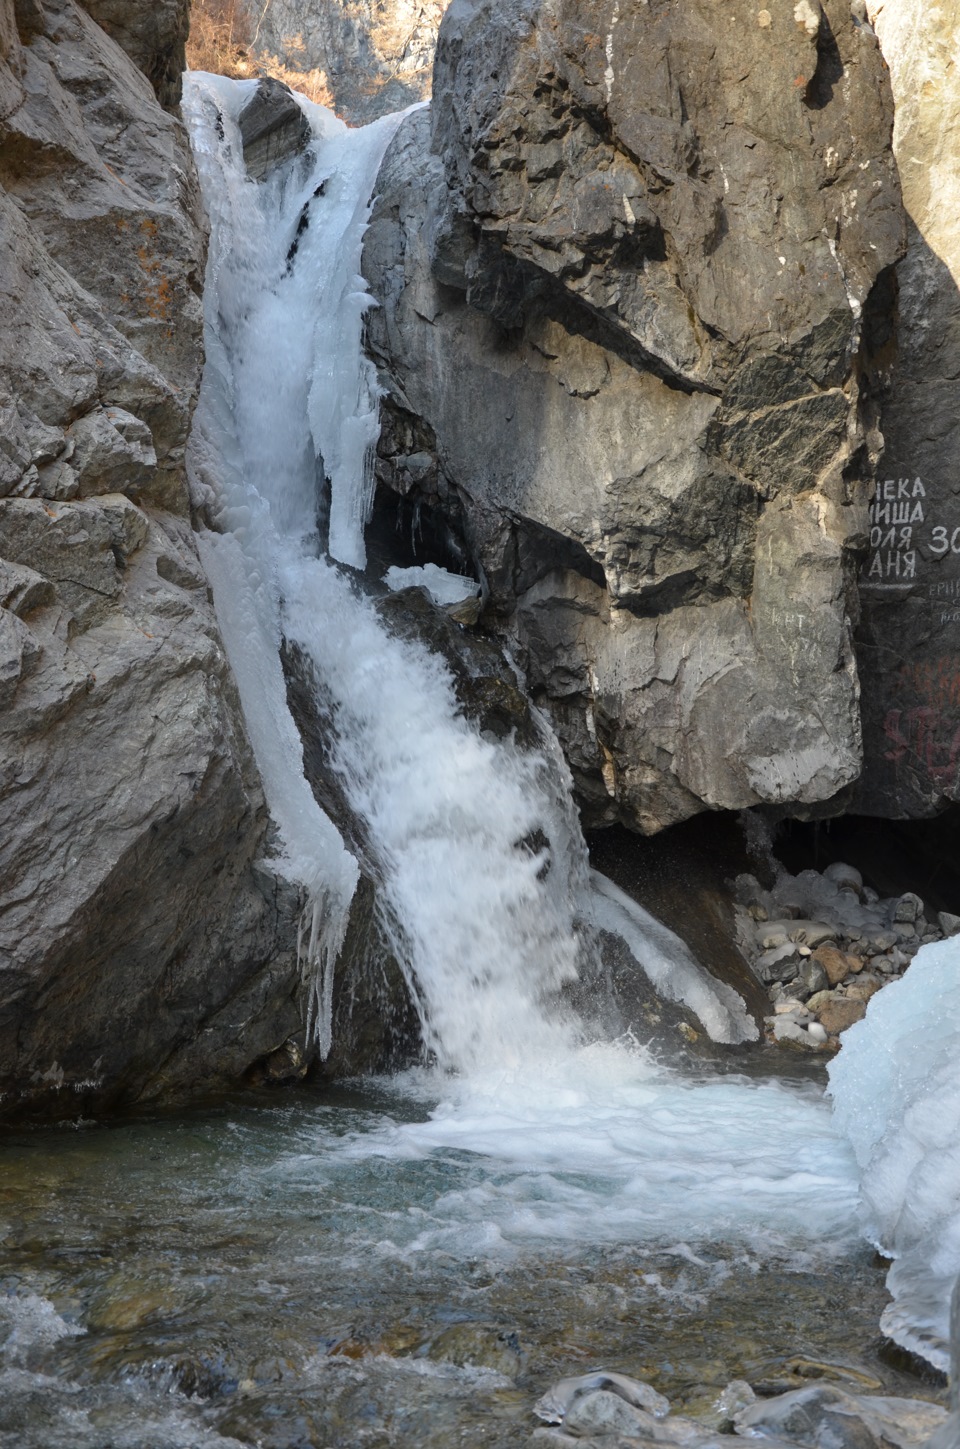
<point>631,303</point>
<point>142,949</point>
<point>910,580</point>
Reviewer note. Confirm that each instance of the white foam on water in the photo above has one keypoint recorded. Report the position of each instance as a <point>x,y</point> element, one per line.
<point>484,940</point>
<point>29,1322</point>
<point>896,1095</point>
<point>603,1147</point>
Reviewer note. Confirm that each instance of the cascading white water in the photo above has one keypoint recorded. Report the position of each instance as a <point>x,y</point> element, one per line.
<point>485,926</point>
<point>582,1140</point>
<point>483,937</point>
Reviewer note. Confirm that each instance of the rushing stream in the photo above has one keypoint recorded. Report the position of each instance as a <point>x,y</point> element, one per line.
<point>408,1265</point>
<point>323,1271</point>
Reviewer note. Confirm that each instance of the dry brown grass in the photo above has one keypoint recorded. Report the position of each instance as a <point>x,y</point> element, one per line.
<point>221,34</point>
<point>310,82</point>
<point>223,40</point>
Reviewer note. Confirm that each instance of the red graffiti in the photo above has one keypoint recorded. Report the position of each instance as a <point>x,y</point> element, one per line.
<point>935,681</point>
<point>930,736</point>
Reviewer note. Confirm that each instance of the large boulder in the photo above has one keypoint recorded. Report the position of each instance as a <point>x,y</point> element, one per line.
<point>909,639</point>
<point>633,277</point>
<point>143,947</point>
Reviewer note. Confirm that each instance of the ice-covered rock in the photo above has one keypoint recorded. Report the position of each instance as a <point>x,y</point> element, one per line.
<point>896,1092</point>
<point>442,586</point>
<point>557,1402</point>
<point>824,1415</point>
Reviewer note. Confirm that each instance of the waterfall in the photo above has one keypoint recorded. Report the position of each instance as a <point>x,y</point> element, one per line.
<point>486,925</point>
<point>482,882</point>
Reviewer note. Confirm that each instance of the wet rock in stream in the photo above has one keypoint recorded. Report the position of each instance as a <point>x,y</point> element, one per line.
<point>821,1416</point>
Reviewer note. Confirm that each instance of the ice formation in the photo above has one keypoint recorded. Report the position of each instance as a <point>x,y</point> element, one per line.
<point>442,586</point>
<point>896,1093</point>
<point>669,963</point>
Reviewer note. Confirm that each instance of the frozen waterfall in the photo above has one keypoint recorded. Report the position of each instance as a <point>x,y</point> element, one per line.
<point>487,930</point>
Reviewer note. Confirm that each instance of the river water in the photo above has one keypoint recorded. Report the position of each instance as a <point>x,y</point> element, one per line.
<point>331,1269</point>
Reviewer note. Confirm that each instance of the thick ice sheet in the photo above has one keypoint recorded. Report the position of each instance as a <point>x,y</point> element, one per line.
<point>896,1093</point>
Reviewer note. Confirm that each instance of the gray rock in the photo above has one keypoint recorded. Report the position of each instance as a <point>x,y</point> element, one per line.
<point>372,58</point>
<point>656,486</point>
<point>81,548</point>
<point>779,963</point>
<point>800,932</point>
<point>100,317</point>
<point>907,909</point>
<point>143,950</point>
<point>878,942</point>
<point>601,1412</point>
<point>824,1414</point>
<point>949,924</point>
<point>154,36</point>
<point>132,823</point>
<point>557,1402</point>
<point>273,128</point>
<point>112,452</point>
<point>909,636</point>
<point>844,876</point>
<point>812,977</point>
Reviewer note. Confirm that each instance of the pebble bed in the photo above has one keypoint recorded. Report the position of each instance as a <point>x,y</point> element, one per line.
<point>823,943</point>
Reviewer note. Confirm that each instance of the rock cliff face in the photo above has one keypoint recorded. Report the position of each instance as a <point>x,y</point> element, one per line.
<point>141,948</point>
<point>154,36</point>
<point>634,282</point>
<point>910,583</point>
<point>376,55</point>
